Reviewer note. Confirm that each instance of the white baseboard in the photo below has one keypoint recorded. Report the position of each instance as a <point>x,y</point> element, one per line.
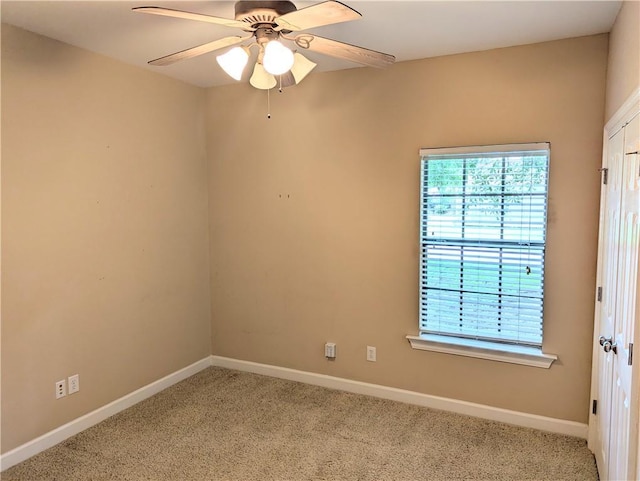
<point>50,439</point>
<point>543,423</point>
<point>35,446</point>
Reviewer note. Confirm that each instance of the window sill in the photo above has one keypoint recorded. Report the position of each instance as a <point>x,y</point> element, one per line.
<point>527,356</point>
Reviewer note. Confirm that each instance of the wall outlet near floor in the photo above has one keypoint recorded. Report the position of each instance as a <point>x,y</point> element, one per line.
<point>74,383</point>
<point>61,389</point>
<point>371,353</point>
<point>330,350</point>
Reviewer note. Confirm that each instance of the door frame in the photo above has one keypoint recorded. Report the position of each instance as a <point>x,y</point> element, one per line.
<point>626,112</point>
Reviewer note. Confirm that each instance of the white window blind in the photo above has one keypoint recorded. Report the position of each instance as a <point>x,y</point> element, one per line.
<point>482,234</point>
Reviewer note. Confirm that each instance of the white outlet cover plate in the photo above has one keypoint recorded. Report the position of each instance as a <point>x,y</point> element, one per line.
<point>74,383</point>
<point>330,349</point>
<point>371,353</point>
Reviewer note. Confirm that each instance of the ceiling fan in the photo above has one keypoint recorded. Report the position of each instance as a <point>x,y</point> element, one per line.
<point>268,23</point>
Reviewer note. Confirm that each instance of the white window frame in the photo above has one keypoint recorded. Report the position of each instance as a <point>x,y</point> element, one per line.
<point>482,348</point>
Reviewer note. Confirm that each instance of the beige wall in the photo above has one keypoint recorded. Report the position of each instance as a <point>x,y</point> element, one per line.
<point>104,231</point>
<point>314,215</point>
<point>313,222</point>
<point>623,72</point>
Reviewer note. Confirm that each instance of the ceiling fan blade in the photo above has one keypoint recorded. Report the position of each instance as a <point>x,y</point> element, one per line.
<point>325,13</point>
<point>169,12</point>
<point>199,50</point>
<point>344,50</point>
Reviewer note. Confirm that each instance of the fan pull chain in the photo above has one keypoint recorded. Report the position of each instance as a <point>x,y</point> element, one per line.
<point>268,103</point>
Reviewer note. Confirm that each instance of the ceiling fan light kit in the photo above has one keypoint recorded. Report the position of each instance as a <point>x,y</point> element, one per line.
<point>277,58</point>
<point>234,61</point>
<point>302,67</point>
<point>261,79</point>
<point>270,22</point>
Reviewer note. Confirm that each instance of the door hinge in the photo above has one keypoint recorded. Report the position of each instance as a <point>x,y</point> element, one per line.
<point>630,360</point>
<point>599,294</point>
<point>594,407</point>
<point>605,175</point>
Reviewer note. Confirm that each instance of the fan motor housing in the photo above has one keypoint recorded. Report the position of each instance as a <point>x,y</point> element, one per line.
<point>254,13</point>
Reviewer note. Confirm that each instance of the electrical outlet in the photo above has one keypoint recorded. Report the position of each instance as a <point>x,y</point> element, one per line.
<point>371,353</point>
<point>74,383</point>
<point>330,350</point>
<point>61,389</point>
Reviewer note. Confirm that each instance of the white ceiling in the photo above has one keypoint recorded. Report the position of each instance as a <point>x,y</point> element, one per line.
<point>407,29</point>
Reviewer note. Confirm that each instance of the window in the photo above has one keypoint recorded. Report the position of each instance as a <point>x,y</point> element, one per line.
<point>482,235</point>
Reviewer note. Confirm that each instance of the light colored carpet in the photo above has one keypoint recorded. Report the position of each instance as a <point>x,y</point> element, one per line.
<point>228,425</point>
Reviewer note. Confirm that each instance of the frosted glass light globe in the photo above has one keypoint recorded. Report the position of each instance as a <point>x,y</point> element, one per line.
<point>234,61</point>
<point>278,59</point>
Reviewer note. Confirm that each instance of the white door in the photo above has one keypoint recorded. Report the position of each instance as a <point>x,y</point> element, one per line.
<point>607,282</point>
<point>623,435</point>
<point>616,423</point>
